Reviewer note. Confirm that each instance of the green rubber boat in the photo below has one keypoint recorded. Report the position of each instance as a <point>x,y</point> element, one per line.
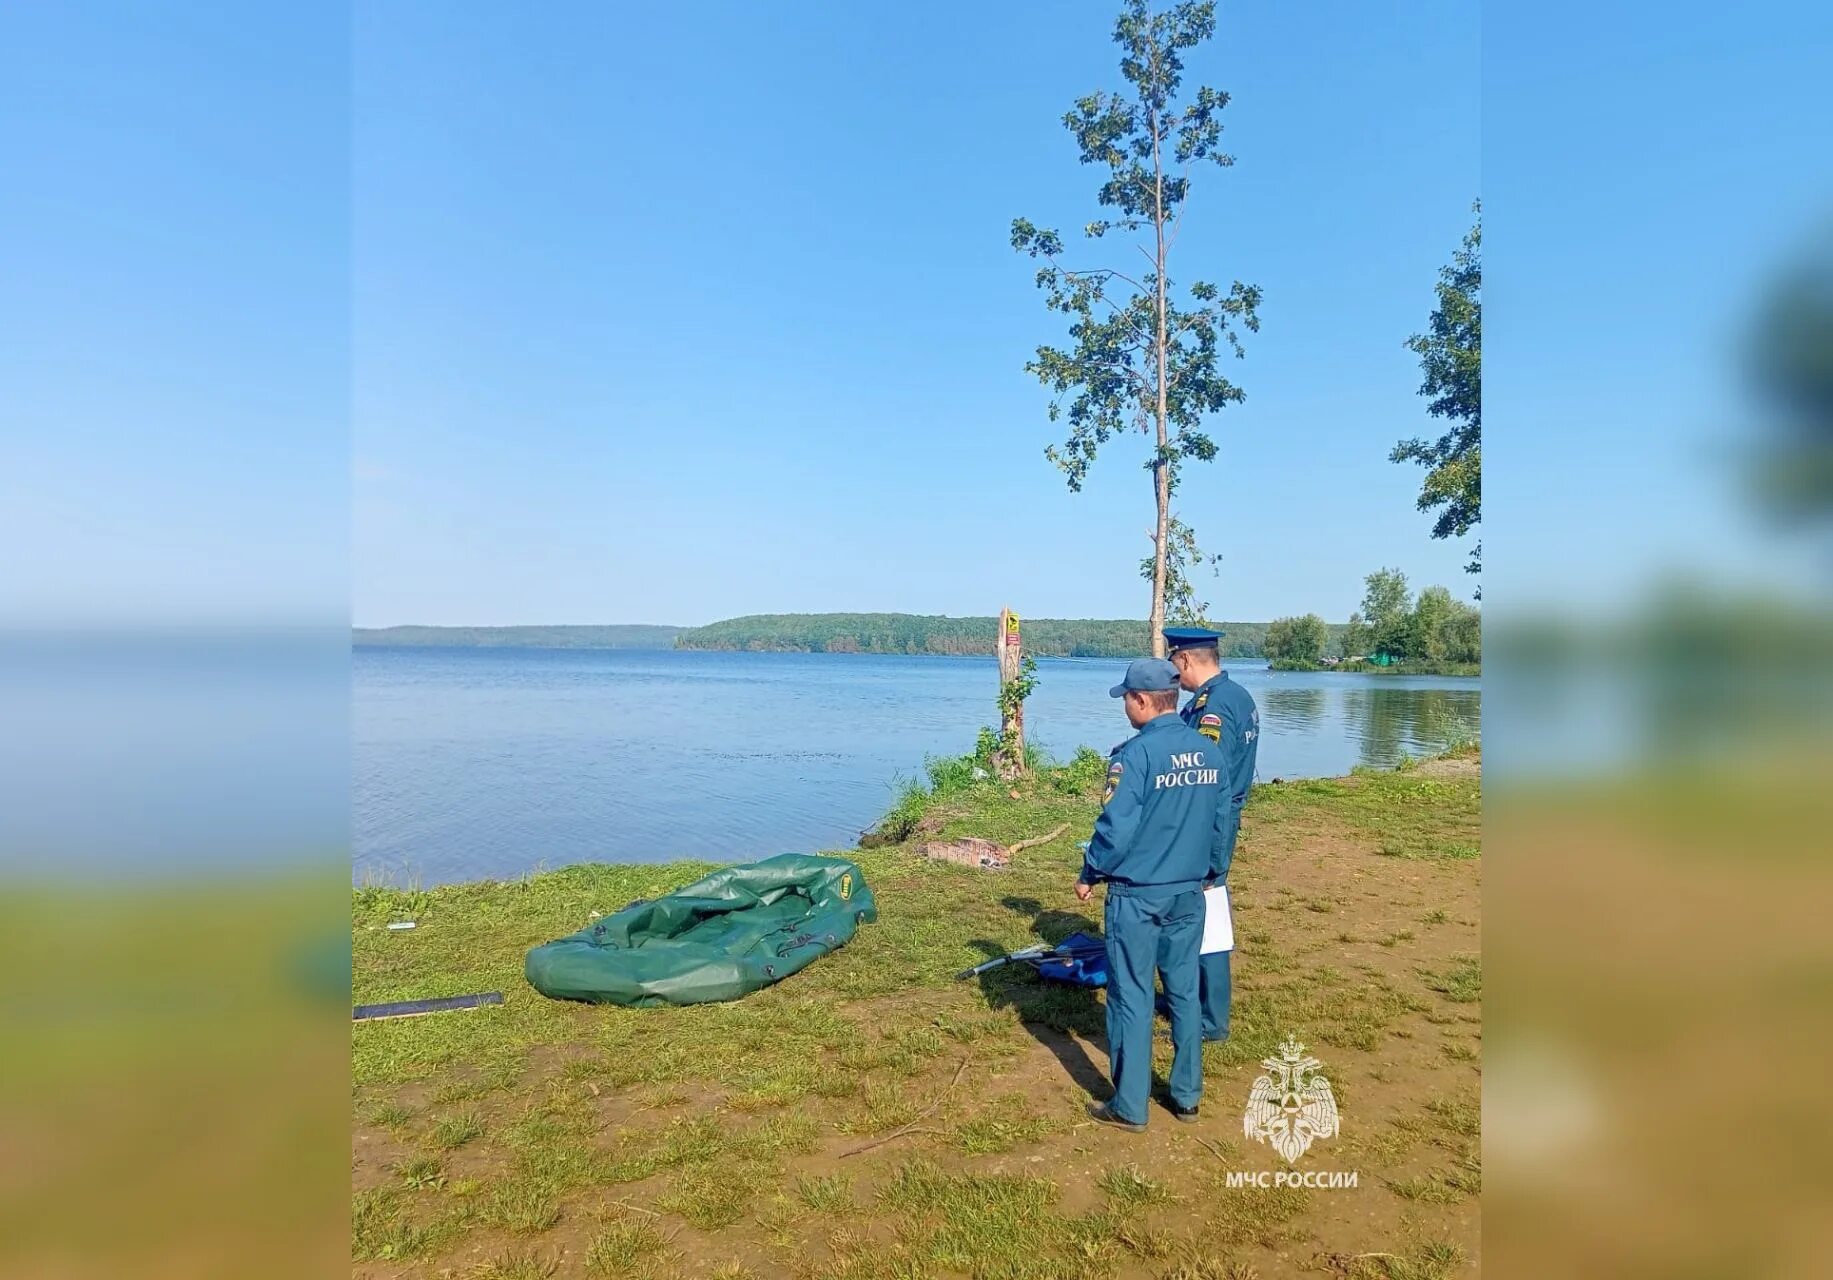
<point>719,938</point>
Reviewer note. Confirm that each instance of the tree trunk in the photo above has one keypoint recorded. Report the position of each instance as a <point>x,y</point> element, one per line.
<point>1162,490</point>
<point>1161,474</point>
<point>1012,727</point>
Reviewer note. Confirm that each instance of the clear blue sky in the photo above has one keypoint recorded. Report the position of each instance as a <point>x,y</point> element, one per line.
<point>174,344</point>
<point>1649,171</point>
<point>676,315</point>
<point>647,321</point>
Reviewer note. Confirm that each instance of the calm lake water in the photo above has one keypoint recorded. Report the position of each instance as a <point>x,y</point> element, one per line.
<point>473,763</point>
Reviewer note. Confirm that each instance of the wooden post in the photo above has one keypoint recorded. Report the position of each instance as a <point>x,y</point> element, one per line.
<point>1012,728</point>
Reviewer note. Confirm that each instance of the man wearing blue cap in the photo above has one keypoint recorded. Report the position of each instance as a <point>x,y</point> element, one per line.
<point>1223,712</point>
<point>1162,818</point>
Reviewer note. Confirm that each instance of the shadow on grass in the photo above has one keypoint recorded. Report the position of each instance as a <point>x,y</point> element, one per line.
<point>1058,1016</point>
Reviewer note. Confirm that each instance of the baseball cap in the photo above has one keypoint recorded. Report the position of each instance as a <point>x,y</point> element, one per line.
<point>1144,675</point>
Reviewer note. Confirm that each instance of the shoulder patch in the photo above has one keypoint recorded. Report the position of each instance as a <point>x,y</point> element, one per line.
<point>1113,781</point>
<point>1210,726</point>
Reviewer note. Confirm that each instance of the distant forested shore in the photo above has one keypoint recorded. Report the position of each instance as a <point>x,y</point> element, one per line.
<point>909,633</point>
<point>898,633</point>
<point>1436,636</point>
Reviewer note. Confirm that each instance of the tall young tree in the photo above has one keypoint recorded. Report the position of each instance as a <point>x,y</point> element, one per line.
<point>1451,357</point>
<point>1140,358</point>
<point>1387,607</point>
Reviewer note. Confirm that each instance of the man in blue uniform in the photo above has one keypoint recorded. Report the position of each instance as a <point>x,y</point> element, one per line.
<point>1162,821</point>
<point>1224,713</point>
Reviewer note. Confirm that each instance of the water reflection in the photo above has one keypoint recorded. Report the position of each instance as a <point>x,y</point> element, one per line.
<point>1389,723</point>
<point>1292,709</point>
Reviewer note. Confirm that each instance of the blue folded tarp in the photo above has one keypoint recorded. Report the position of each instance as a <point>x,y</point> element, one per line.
<point>1079,960</point>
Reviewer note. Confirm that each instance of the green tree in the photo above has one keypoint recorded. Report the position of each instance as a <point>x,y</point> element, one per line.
<point>1278,643</point>
<point>1451,358</point>
<point>1432,615</point>
<point>1387,606</point>
<point>1356,638</point>
<point>1296,642</point>
<point>1464,635</point>
<point>1141,358</point>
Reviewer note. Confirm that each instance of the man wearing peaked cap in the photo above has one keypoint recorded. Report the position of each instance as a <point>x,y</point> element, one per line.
<point>1224,713</point>
<point>1154,843</point>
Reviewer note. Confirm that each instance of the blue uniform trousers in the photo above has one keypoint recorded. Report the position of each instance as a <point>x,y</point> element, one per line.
<point>1143,934</point>
<point>1214,985</point>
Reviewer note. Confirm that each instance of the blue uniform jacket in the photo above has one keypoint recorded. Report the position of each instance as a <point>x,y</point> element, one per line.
<point>1164,814</point>
<point>1224,712</point>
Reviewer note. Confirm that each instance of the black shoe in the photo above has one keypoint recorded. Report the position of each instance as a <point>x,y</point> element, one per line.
<point>1187,1114</point>
<point>1101,1112</point>
<point>1221,1039</point>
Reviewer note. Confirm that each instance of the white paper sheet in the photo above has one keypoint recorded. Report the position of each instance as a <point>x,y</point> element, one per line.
<point>1218,927</point>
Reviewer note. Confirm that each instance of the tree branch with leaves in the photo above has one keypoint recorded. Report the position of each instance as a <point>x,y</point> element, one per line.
<point>1140,356</point>
<point>1451,358</point>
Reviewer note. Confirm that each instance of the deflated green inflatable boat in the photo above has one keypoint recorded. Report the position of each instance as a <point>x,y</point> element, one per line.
<point>719,938</point>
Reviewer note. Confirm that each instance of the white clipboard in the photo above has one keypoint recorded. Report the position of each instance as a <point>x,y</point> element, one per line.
<point>1218,925</point>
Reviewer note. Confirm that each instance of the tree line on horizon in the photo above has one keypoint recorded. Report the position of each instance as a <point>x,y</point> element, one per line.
<point>1432,631</point>
<point>908,633</point>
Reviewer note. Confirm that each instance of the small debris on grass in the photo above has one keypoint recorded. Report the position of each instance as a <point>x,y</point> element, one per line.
<point>986,855</point>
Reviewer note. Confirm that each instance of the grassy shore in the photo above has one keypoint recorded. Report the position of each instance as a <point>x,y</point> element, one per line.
<point>543,1138</point>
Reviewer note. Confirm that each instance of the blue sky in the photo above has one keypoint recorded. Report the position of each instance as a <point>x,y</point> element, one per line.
<point>480,314</point>
<point>174,348</point>
<point>672,316</point>
<point>1648,173</point>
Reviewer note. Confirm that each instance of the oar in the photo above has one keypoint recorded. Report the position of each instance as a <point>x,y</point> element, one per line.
<point>1038,952</point>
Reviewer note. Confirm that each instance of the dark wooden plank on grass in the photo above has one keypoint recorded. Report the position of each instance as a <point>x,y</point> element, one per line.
<point>415,1008</point>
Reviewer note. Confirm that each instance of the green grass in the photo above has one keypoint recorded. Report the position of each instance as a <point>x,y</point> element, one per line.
<point>1432,1260</point>
<point>382,1230</point>
<point>456,1130</point>
<point>391,1115</point>
<point>1443,1186</point>
<point>524,1206</point>
<point>661,1143</point>
<point>516,1266</point>
<point>999,1226</point>
<point>950,777</point>
<point>1409,815</point>
<point>833,1194</point>
<point>423,1173</point>
<point>1460,1051</point>
<point>1007,1123</point>
<point>1462,983</point>
<point>1128,1188</point>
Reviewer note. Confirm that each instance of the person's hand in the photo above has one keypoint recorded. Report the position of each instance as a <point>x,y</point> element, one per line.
<point>1083,890</point>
